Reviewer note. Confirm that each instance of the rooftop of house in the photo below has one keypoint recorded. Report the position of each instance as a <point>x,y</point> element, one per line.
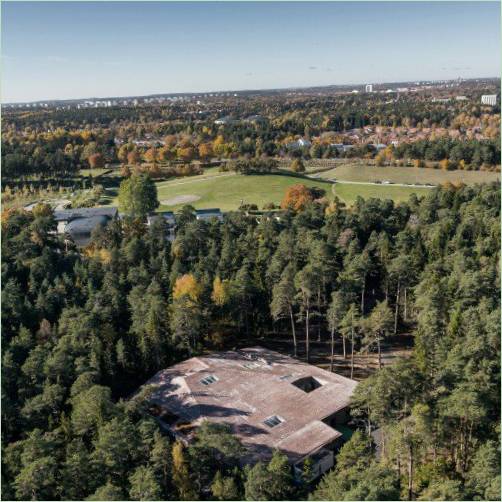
<point>85,212</point>
<point>270,401</point>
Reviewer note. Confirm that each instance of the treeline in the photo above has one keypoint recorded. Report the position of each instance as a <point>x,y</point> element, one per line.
<point>60,142</point>
<point>82,331</point>
<point>473,153</point>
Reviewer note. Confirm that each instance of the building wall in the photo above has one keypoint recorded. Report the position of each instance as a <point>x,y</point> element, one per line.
<point>489,99</point>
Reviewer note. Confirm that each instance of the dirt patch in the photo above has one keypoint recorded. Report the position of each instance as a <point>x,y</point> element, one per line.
<point>180,199</point>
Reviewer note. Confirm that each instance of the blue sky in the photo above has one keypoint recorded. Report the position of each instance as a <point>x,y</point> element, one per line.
<point>75,50</point>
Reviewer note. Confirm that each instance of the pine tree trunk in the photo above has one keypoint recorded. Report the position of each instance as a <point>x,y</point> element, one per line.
<point>396,313</point>
<point>319,313</point>
<point>352,355</point>
<point>344,348</point>
<point>332,349</point>
<point>405,304</point>
<point>307,341</point>
<point>410,474</point>
<point>379,354</point>
<point>362,295</point>
<point>293,330</point>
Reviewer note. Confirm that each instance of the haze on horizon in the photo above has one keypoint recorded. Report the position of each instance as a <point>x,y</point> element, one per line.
<point>65,50</point>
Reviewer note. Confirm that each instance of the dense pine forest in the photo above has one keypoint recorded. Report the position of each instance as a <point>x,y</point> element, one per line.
<point>83,330</point>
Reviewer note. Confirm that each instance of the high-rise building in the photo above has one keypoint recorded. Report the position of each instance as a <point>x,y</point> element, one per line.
<point>369,87</point>
<point>489,99</point>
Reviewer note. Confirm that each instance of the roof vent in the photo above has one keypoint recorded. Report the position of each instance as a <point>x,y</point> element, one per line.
<point>209,380</point>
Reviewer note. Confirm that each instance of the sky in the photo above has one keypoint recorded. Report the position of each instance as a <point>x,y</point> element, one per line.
<point>65,50</point>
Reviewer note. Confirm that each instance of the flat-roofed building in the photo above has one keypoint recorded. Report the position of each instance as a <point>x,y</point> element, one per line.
<point>208,214</point>
<point>78,224</point>
<point>489,99</point>
<point>269,400</point>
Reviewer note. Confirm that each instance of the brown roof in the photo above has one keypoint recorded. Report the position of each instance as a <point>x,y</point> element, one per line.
<point>252,385</point>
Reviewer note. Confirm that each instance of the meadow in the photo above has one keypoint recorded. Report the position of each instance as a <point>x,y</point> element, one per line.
<point>411,175</point>
<point>348,192</point>
<point>228,191</point>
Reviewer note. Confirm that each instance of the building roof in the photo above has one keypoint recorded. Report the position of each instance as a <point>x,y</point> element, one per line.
<point>246,387</point>
<point>208,213</point>
<point>80,229</point>
<point>85,212</point>
<point>167,215</point>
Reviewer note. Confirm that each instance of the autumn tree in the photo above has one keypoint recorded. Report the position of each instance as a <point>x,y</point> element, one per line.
<point>96,160</point>
<point>296,198</point>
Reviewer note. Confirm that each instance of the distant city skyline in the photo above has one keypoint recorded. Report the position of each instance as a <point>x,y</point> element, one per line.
<point>65,50</point>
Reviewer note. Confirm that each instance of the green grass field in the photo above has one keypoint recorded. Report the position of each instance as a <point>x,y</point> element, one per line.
<point>357,172</point>
<point>227,190</point>
<point>348,192</point>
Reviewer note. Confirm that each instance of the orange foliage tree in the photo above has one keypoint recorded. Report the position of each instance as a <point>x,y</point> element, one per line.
<point>296,197</point>
<point>205,151</point>
<point>188,287</point>
<point>96,160</point>
<point>133,158</point>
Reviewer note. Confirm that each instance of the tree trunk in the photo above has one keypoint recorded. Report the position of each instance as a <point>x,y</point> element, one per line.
<point>307,341</point>
<point>405,304</point>
<point>332,349</point>
<point>410,473</point>
<point>379,354</point>
<point>352,355</point>
<point>396,313</point>
<point>319,313</point>
<point>362,295</point>
<point>293,330</point>
<point>344,348</point>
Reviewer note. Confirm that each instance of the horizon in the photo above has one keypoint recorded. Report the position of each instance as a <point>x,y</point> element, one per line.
<point>218,91</point>
<point>48,54</point>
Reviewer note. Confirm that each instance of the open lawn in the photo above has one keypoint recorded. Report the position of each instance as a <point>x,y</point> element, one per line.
<point>227,190</point>
<point>348,192</point>
<point>412,175</point>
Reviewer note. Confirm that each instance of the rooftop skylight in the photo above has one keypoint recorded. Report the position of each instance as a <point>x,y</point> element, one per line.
<point>209,380</point>
<point>273,421</point>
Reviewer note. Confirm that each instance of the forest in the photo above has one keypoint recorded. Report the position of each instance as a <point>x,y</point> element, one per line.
<point>83,330</point>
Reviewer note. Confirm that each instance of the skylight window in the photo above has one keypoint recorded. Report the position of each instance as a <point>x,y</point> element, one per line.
<point>273,421</point>
<point>209,380</point>
<point>308,384</point>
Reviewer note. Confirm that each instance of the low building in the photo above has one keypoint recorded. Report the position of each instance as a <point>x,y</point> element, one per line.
<point>369,88</point>
<point>168,217</point>
<point>78,224</point>
<point>208,214</point>
<point>269,400</point>
<point>489,99</point>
